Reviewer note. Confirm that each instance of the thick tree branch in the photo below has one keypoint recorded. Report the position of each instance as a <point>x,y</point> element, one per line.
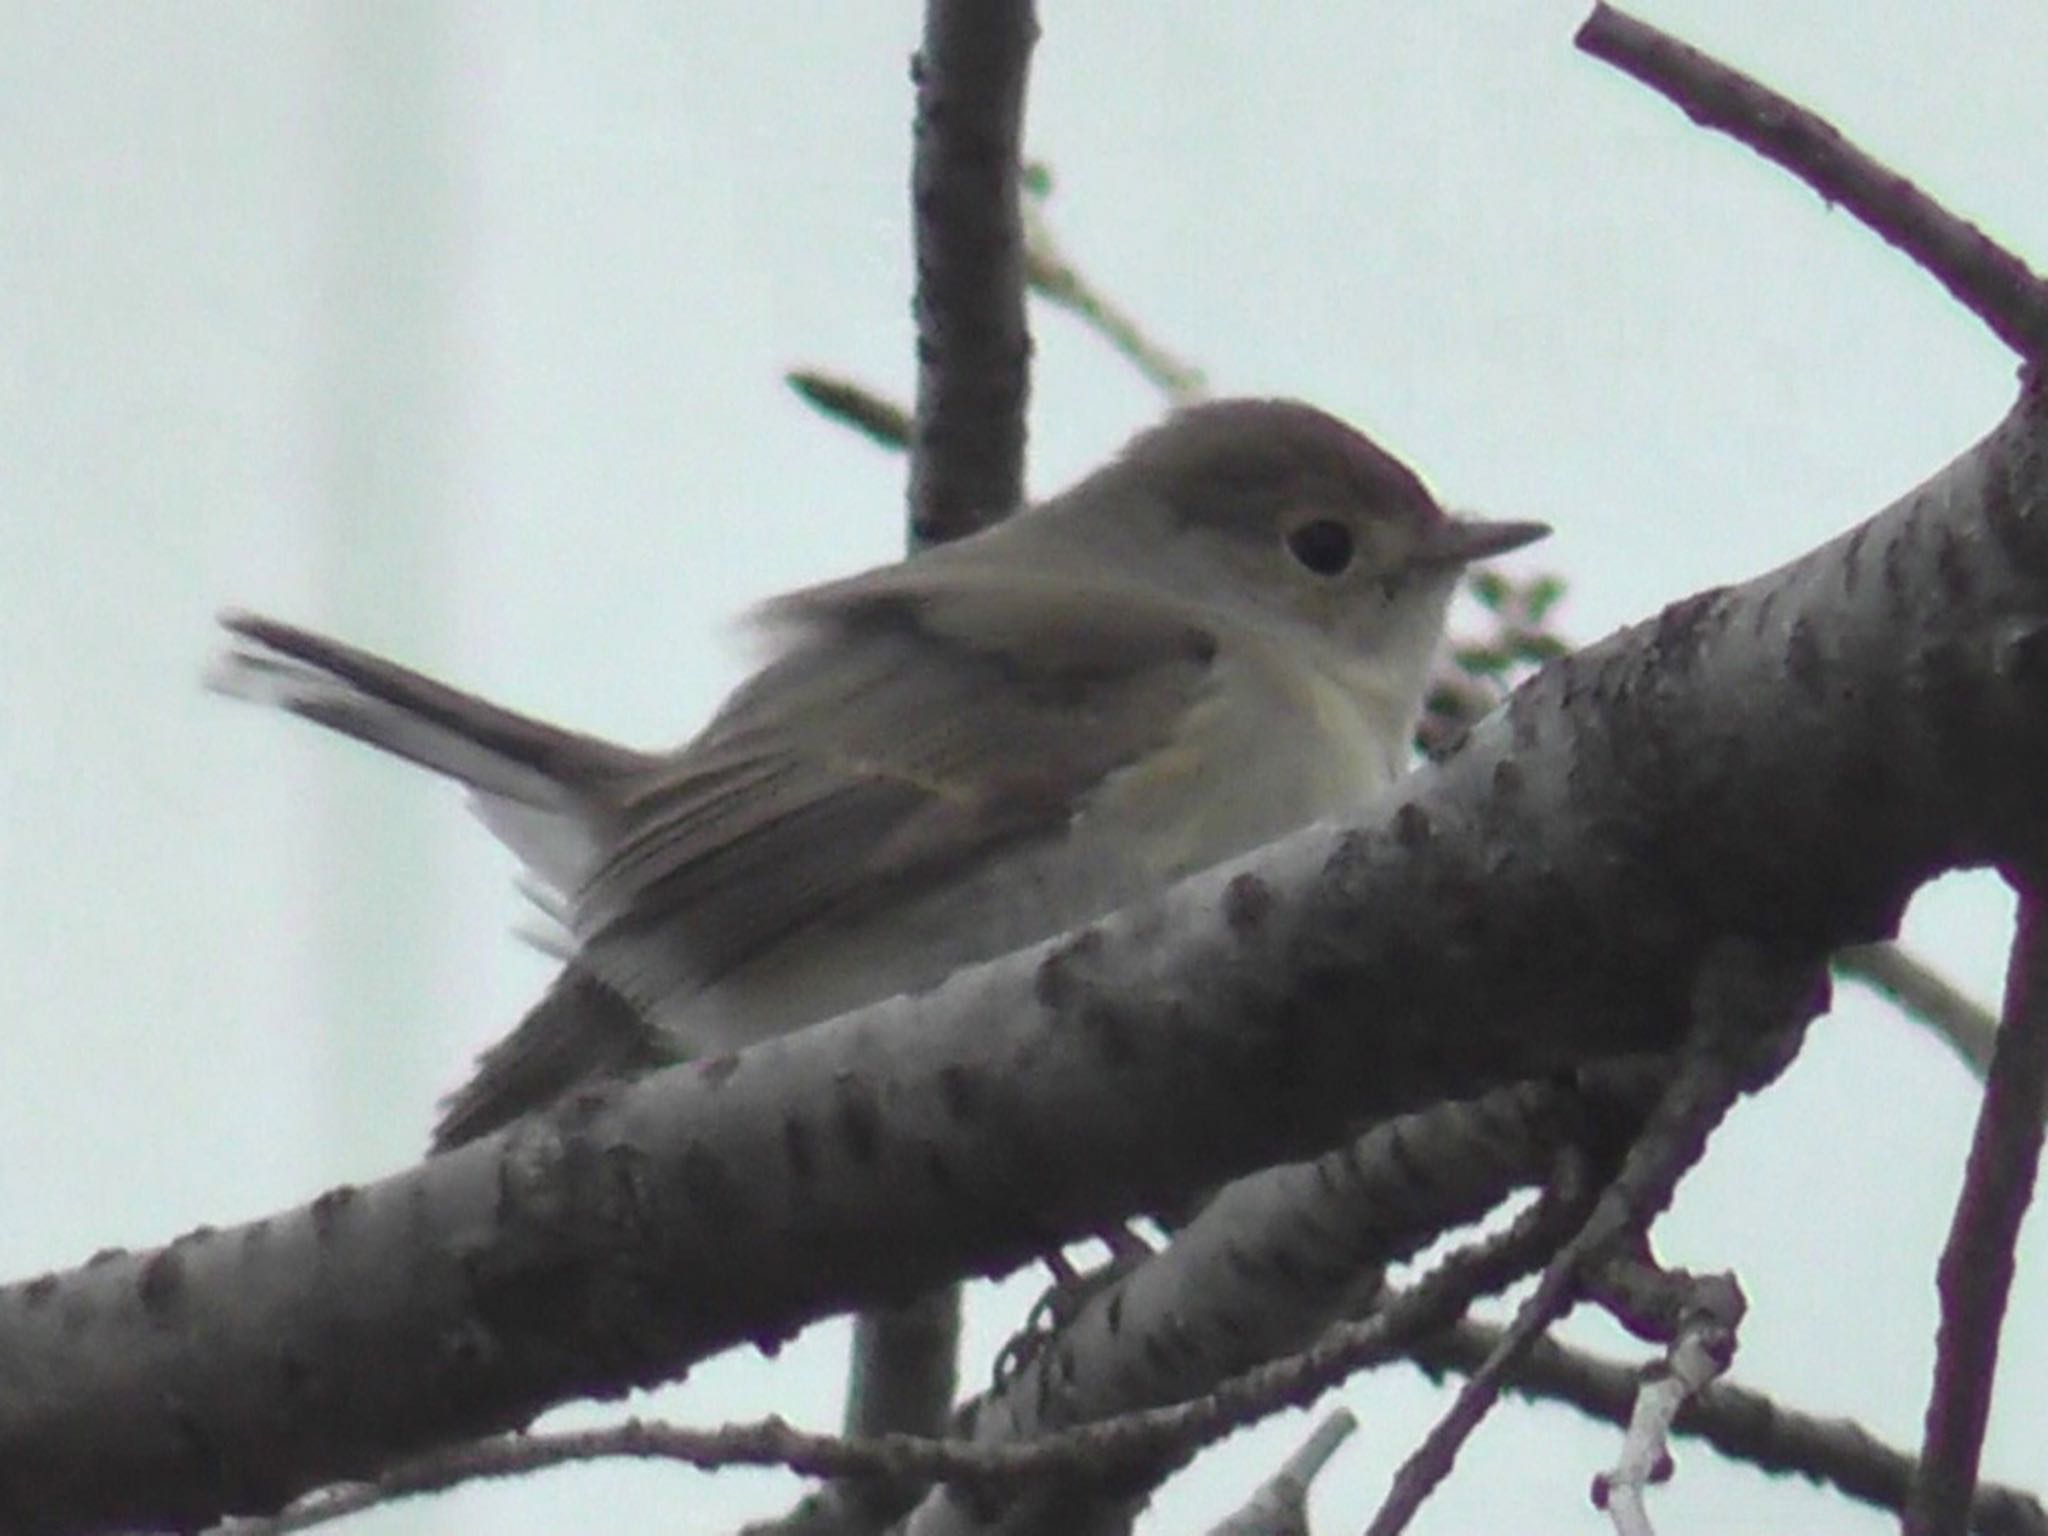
<point>1985,278</point>
<point>1064,1461</point>
<point>1269,1265</point>
<point>1789,758</point>
<point>1976,1271</point>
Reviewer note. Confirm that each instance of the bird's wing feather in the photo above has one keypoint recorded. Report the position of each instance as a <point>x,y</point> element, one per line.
<point>908,729</point>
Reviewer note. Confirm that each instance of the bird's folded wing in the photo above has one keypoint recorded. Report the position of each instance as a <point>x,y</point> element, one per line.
<point>908,729</point>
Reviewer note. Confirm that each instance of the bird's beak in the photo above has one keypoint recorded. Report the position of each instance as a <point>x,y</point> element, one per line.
<point>1462,540</point>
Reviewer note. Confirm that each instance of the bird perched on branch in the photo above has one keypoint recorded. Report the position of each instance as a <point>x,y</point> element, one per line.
<point>1221,635</point>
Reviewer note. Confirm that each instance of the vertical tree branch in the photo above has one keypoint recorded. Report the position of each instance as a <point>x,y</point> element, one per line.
<point>966,470</point>
<point>905,1370</point>
<point>973,351</point>
<point>1975,1277</point>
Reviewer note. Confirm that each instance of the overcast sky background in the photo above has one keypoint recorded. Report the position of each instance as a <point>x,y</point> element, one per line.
<point>458,330</point>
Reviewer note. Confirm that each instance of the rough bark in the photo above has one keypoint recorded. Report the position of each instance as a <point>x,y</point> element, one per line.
<point>973,351</point>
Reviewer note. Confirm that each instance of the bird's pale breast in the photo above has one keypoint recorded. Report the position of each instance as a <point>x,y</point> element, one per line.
<point>1272,747</point>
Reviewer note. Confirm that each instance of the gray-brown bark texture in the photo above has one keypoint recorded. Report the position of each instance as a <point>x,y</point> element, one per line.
<point>973,349</point>
<point>1784,760</point>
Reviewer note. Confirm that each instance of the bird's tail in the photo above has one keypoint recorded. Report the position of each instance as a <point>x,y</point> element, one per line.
<point>580,1032</point>
<point>536,786</point>
<point>494,751</point>
<point>539,788</point>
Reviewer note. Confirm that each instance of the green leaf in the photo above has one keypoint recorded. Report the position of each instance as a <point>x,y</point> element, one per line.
<point>1480,660</point>
<point>1539,647</point>
<point>1542,595</point>
<point>1490,588</point>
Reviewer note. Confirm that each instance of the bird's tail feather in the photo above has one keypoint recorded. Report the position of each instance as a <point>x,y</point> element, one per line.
<point>495,751</point>
<point>580,1032</point>
<point>541,790</point>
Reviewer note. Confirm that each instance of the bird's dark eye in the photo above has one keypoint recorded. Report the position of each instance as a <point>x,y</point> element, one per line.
<point>1323,545</point>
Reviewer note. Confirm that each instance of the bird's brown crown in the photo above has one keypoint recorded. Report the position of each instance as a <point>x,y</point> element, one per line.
<point>1219,461</point>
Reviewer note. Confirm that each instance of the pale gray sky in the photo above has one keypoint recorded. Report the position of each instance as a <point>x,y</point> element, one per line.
<point>458,329</point>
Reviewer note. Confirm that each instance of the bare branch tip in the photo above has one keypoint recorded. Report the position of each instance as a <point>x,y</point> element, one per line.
<point>853,405</point>
<point>1990,281</point>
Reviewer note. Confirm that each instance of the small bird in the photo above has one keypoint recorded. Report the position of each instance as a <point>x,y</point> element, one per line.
<point>1220,636</point>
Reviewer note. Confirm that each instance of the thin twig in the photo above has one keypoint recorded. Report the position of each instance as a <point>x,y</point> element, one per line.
<point>1921,993</point>
<point>1740,1423</point>
<point>1059,282</point>
<point>1698,1314</point>
<point>855,405</point>
<point>1742,996</point>
<point>1984,277</point>
<point>1975,1277</point>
